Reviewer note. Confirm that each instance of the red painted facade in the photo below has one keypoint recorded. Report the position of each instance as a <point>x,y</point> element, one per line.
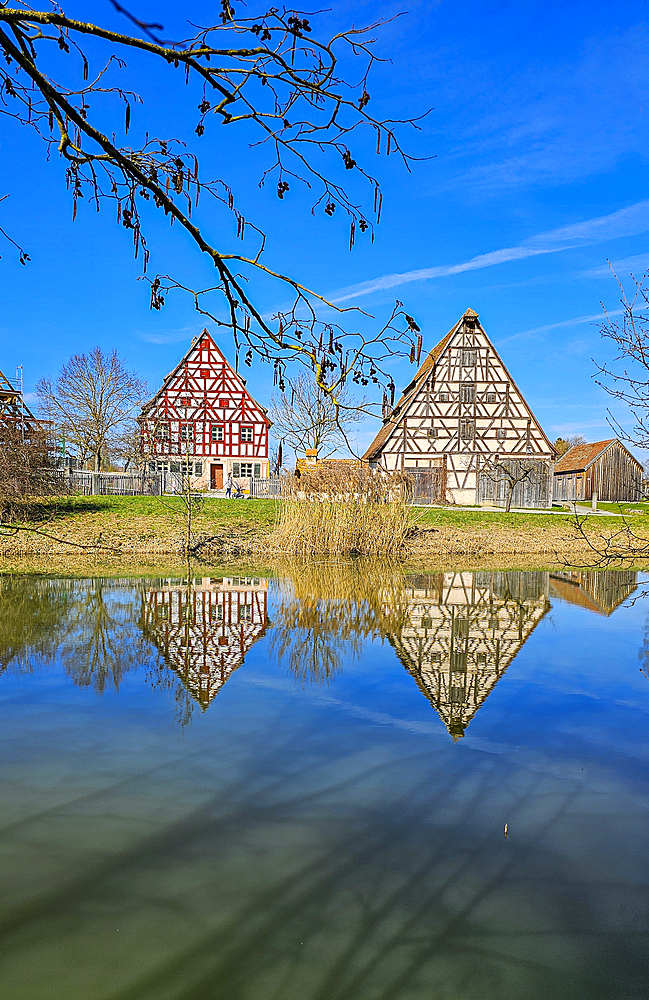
<point>204,417</point>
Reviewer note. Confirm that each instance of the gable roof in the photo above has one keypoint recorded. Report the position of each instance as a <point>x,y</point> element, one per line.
<point>195,345</point>
<point>411,390</point>
<point>582,456</point>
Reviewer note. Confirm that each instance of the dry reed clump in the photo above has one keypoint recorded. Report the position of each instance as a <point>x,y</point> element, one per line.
<point>343,510</point>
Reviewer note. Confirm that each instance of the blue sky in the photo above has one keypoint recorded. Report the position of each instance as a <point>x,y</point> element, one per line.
<point>533,174</point>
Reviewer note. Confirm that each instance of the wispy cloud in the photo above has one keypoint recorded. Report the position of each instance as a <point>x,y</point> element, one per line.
<point>629,221</point>
<point>637,264</point>
<point>554,121</point>
<point>171,336</point>
<point>575,321</point>
<point>572,428</point>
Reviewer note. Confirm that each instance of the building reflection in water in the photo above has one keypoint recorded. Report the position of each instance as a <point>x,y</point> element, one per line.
<point>204,630</point>
<point>601,591</point>
<point>463,631</point>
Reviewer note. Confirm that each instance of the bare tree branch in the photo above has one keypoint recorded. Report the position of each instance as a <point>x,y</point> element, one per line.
<point>270,73</point>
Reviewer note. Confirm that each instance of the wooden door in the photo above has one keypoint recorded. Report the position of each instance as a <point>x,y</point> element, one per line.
<point>216,477</point>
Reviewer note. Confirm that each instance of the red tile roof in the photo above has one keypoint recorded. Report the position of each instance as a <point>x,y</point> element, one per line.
<point>582,455</point>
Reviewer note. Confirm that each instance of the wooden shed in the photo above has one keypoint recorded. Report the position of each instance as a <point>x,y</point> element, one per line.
<point>606,468</point>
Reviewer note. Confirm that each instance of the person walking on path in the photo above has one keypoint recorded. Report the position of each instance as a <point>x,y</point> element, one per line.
<point>228,486</point>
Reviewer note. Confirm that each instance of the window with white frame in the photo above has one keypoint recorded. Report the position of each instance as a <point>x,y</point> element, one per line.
<point>443,397</point>
<point>246,470</point>
<point>186,432</point>
<point>218,432</point>
<point>469,359</point>
<point>467,392</point>
<point>246,432</point>
<point>501,433</point>
<point>491,397</point>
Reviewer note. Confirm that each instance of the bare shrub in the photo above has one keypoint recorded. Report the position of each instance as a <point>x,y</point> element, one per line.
<point>344,509</point>
<point>26,471</point>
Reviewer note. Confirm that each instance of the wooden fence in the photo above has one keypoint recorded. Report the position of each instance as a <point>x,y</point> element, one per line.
<point>112,483</point>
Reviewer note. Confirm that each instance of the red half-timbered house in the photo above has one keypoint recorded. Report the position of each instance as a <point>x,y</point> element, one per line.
<point>204,422</point>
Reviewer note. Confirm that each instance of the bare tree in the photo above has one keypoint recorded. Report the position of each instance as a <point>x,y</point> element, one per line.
<point>508,473</point>
<point>127,445</point>
<point>563,445</point>
<point>307,417</point>
<point>92,397</point>
<point>272,80</point>
<point>627,377</point>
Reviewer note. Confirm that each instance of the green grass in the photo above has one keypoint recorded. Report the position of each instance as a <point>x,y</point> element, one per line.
<point>482,518</point>
<point>617,508</point>
<point>258,513</point>
<point>261,515</point>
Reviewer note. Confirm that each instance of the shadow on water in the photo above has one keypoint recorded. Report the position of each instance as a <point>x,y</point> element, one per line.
<point>287,853</point>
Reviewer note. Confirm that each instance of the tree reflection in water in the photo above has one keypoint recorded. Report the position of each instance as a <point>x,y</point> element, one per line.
<point>32,612</point>
<point>87,625</point>
<point>102,641</point>
<point>328,611</point>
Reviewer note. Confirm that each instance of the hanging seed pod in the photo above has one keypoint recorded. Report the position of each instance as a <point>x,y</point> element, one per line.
<point>127,117</point>
<point>378,214</point>
<point>419,343</point>
<point>378,141</point>
<point>352,235</point>
<point>412,353</point>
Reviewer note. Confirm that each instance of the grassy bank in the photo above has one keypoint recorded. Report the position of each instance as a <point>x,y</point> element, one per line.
<point>142,526</point>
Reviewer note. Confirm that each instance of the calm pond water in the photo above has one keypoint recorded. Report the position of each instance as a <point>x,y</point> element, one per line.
<point>297,789</point>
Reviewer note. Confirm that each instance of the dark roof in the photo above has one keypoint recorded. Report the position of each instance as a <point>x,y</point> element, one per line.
<point>410,390</point>
<point>579,458</point>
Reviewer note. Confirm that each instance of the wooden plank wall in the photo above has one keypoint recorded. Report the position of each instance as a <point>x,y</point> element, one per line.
<point>615,476</point>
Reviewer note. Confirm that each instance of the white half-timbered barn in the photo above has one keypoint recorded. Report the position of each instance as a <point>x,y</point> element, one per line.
<point>204,423</point>
<point>460,420</point>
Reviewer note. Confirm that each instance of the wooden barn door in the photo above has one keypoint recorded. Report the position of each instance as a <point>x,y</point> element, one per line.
<point>216,477</point>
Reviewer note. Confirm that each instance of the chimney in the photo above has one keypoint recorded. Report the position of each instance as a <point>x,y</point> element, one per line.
<point>311,456</point>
